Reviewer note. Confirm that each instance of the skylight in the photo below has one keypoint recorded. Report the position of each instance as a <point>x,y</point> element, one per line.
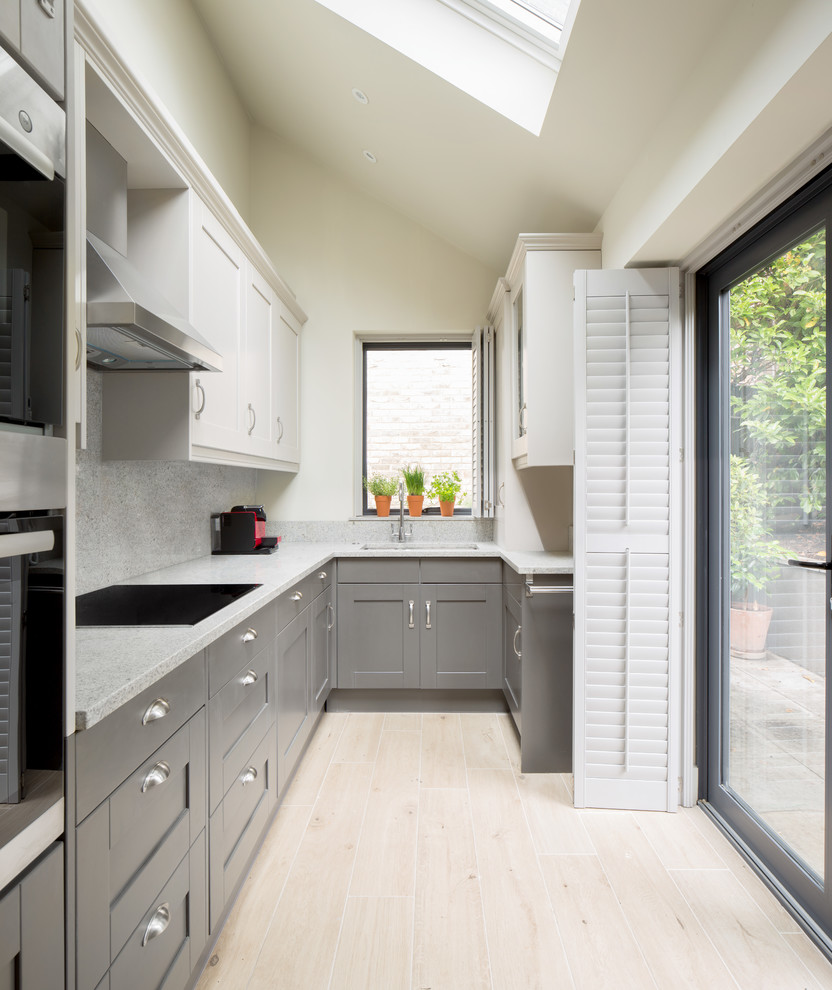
<point>504,53</point>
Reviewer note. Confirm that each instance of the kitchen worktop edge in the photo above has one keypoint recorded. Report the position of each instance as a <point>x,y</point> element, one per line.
<point>114,664</point>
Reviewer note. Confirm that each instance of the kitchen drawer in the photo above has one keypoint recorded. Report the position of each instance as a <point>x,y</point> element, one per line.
<point>42,40</point>
<point>321,579</point>
<point>237,719</point>
<point>238,823</point>
<point>164,948</point>
<point>379,571</point>
<point>129,846</point>
<point>239,646</point>
<point>292,602</point>
<point>111,750</point>
<point>451,570</point>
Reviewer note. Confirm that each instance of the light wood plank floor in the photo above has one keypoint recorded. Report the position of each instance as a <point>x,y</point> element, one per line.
<point>411,854</point>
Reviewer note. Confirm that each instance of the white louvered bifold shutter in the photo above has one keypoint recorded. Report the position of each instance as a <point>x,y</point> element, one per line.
<point>626,649</point>
<point>482,419</point>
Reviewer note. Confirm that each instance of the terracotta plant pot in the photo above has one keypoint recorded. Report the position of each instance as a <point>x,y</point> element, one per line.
<point>446,508</point>
<point>414,504</point>
<point>383,504</point>
<point>749,628</point>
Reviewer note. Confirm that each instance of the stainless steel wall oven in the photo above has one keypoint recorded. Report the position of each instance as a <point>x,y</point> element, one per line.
<point>33,458</point>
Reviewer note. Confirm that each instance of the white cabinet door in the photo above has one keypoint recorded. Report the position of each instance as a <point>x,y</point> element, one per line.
<point>540,277</point>
<point>218,312</point>
<point>285,392</point>
<point>256,396</point>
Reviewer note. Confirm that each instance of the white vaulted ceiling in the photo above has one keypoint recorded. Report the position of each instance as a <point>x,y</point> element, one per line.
<point>459,168</point>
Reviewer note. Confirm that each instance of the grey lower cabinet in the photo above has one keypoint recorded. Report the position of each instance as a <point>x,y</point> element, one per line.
<point>141,852</point>
<point>378,635</point>
<point>419,623</point>
<point>459,637</point>
<point>537,668</point>
<point>305,663</point>
<point>32,926</point>
<point>322,620</point>
<point>242,751</point>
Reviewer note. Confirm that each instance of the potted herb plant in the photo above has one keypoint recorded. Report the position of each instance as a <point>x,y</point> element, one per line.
<point>414,480</point>
<point>755,559</point>
<point>446,487</point>
<point>382,489</point>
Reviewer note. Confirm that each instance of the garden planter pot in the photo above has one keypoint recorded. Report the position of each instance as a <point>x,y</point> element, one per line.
<point>383,504</point>
<point>414,504</point>
<point>446,508</point>
<point>749,628</point>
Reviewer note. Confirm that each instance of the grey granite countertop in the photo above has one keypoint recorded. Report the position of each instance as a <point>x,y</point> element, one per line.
<point>113,664</point>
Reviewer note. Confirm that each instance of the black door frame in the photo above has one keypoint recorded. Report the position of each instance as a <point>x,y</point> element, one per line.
<point>803,213</point>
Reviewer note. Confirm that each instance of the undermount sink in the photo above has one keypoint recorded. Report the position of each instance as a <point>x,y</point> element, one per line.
<point>420,547</point>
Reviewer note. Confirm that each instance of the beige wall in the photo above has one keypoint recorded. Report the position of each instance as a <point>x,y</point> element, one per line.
<point>747,113</point>
<point>357,268</point>
<point>164,43</point>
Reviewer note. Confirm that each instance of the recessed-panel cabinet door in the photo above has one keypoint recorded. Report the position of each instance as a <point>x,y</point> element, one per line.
<point>378,636</point>
<point>323,626</point>
<point>257,387</point>
<point>293,693</point>
<point>460,635</point>
<point>285,395</point>
<point>218,310</point>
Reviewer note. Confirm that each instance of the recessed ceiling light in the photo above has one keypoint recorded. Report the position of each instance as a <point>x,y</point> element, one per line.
<point>370,156</point>
<point>361,96</point>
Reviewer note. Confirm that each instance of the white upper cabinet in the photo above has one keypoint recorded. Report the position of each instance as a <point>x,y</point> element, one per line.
<point>285,391</point>
<point>247,414</point>
<point>218,285</point>
<point>540,283</point>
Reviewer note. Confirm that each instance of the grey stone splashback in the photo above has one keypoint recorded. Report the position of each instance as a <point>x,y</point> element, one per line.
<point>459,529</point>
<point>138,516</point>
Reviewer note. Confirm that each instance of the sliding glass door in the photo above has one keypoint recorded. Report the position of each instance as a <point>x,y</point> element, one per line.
<point>768,588</point>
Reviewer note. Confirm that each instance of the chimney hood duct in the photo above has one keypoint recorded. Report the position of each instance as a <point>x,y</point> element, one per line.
<point>130,326</point>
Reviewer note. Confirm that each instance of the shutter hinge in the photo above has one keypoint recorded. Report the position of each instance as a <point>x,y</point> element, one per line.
<point>681,620</point>
<point>489,335</point>
<point>681,455</point>
<point>27,293</point>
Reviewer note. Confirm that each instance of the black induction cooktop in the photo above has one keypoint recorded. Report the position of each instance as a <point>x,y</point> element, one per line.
<point>155,604</point>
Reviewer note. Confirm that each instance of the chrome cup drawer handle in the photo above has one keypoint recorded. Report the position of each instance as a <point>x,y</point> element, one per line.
<point>157,924</point>
<point>250,677</point>
<point>159,708</point>
<point>296,596</point>
<point>248,776</point>
<point>322,576</point>
<point>158,775</point>
<point>249,635</point>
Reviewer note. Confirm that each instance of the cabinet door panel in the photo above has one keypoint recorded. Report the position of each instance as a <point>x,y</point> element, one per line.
<point>512,646</point>
<point>257,391</point>
<point>322,620</point>
<point>218,311</point>
<point>378,647</point>
<point>10,32</point>
<point>293,655</point>
<point>285,373</point>
<point>460,636</point>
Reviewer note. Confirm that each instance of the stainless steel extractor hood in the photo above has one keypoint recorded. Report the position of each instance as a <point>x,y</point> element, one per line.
<point>130,326</point>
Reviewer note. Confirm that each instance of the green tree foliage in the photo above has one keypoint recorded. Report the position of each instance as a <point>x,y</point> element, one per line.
<point>778,373</point>
<point>778,406</point>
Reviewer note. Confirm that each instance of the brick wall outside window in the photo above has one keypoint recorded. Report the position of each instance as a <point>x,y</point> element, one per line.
<point>419,411</point>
